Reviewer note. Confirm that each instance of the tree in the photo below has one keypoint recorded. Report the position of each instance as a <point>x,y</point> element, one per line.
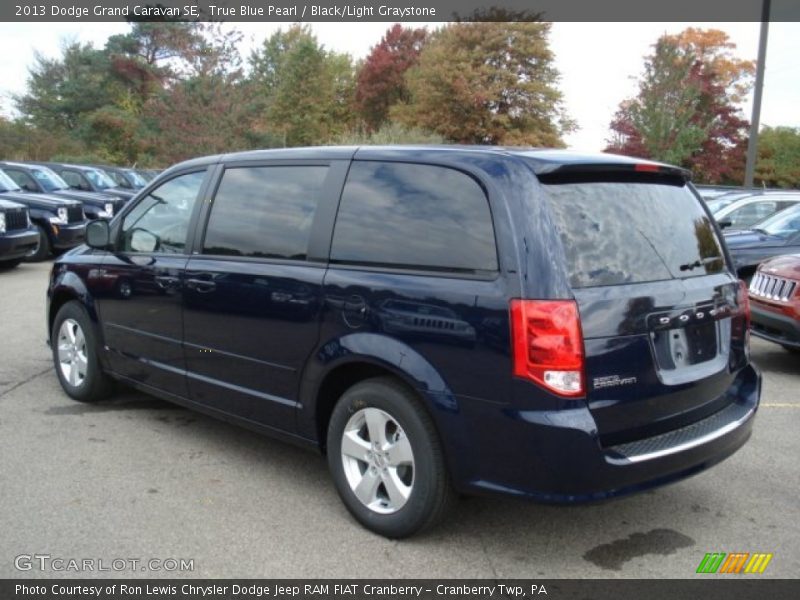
<point>779,157</point>
<point>208,110</point>
<point>381,79</point>
<point>687,109</point>
<point>714,50</point>
<point>661,121</point>
<point>306,92</point>
<point>61,91</point>
<point>487,83</point>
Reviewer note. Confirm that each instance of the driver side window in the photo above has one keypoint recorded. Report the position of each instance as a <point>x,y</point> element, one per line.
<point>22,179</point>
<point>160,221</point>
<point>72,179</point>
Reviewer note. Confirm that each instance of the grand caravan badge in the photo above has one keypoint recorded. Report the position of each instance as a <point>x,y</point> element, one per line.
<point>610,381</point>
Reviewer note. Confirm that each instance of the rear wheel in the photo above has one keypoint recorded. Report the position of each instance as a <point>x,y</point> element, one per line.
<point>42,250</point>
<point>386,459</point>
<point>75,355</point>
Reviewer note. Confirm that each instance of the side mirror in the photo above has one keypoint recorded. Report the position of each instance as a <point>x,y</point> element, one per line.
<point>724,223</point>
<point>98,235</point>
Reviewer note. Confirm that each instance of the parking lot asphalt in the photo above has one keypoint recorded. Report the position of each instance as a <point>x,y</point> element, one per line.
<point>135,477</point>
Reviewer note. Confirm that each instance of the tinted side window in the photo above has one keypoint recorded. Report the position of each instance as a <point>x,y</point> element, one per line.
<point>160,221</point>
<point>72,178</point>
<point>264,212</point>
<point>416,216</point>
<point>21,178</point>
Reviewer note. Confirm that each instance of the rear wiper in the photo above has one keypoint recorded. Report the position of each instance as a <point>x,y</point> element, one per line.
<point>699,263</point>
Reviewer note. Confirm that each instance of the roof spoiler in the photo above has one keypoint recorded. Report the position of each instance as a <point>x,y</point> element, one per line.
<point>633,172</point>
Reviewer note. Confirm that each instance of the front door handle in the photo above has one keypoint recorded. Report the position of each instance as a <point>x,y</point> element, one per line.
<point>201,286</point>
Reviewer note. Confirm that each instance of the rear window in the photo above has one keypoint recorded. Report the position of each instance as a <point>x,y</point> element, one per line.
<point>617,233</point>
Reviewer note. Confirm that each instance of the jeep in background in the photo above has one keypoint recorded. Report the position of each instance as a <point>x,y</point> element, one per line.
<point>775,301</point>
<point>126,178</point>
<point>42,180</point>
<point>87,179</point>
<point>18,236</point>
<point>60,223</point>
<point>774,236</point>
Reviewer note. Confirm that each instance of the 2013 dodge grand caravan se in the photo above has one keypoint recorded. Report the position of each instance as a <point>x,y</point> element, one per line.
<point>544,324</point>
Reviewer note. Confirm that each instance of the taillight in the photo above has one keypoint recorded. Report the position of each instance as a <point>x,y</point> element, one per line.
<point>547,344</point>
<point>646,168</point>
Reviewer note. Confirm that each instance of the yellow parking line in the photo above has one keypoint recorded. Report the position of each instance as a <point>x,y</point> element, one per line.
<point>780,405</point>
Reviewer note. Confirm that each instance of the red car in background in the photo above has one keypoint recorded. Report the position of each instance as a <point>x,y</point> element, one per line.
<point>775,301</point>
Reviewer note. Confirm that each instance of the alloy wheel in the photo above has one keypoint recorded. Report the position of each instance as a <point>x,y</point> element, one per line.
<point>72,359</point>
<point>378,460</point>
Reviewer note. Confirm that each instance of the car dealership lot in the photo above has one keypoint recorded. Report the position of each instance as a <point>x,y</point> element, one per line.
<point>138,478</point>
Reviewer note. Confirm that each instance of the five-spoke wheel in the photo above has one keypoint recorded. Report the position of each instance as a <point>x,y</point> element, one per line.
<point>75,354</point>
<point>378,460</point>
<point>386,458</point>
<point>71,349</point>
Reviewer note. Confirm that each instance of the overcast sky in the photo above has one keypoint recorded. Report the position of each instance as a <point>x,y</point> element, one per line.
<point>597,61</point>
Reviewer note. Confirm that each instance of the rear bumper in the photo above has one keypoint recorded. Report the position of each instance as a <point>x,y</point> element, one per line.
<point>17,244</point>
<point>556,456</point>
<point>774,327</point>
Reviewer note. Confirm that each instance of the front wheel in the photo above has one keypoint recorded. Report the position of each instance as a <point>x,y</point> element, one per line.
<point>75,355</point>
<point>386,459</point>
<point>42,250</point>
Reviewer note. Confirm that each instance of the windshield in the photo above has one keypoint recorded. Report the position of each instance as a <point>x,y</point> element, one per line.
<point>99,179</point>
<point>135,179</point>
<point>7,184</point>
<point>784,224</point>
<point>617,233</point>
<point>119,178</point>
<point>49,180</point>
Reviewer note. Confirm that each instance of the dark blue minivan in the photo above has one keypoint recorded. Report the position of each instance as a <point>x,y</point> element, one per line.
<point>549,325</point>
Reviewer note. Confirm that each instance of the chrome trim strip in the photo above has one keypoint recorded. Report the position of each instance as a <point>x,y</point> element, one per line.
<point>703,439</point>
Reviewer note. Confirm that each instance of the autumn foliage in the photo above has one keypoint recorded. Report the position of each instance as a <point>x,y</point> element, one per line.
<point>381,79</point>
<point>164,92</point>
<point>687,111</point>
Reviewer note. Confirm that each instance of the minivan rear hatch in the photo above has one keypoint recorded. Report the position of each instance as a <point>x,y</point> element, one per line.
<point>659,309</point>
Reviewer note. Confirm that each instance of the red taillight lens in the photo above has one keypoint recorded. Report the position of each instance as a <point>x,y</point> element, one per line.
<point>645,168</point>
<point>548,344</point>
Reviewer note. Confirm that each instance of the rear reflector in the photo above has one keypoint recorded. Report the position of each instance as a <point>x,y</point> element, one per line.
<point>547,344</point>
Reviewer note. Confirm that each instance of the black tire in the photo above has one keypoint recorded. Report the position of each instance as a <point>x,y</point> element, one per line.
<point>95,385</point>
<point>42,250</point>
<point>430,492</point>
<point>7,265</point>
